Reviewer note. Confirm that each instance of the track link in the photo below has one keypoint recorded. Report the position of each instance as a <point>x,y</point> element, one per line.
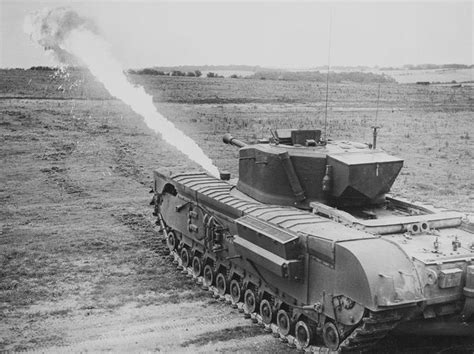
<point>372,329</point>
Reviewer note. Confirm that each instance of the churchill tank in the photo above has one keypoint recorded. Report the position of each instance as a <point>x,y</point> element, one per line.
<point>309,243</point>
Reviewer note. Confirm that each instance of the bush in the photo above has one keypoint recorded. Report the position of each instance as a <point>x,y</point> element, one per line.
<point>211,74</point>
<point>177,73</point>
<point>146,71</point>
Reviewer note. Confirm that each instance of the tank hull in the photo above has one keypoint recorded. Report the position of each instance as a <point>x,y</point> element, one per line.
<point>323,275</point>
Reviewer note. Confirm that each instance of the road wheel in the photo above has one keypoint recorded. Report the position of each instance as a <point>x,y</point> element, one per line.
<point>250,300</point>
<point>235,290</point>
<point>197,266</point>
<point>185,258</point>
<point>208,275</point>
<point>304,334</point>
<point>266,311</point>
<point>221,284</point>
<point>171,241</point>
<point>331,335</point>
<point>283,322</point>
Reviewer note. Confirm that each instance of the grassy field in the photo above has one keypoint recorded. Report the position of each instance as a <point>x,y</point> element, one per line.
<point>431,75</point>
<point>79,266</point>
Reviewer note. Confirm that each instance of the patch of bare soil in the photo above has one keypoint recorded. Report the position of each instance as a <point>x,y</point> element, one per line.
<point>80,266</point>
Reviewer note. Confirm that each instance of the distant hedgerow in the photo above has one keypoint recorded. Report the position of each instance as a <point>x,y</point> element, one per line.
<point>42,68</point>
<point>353,76</point>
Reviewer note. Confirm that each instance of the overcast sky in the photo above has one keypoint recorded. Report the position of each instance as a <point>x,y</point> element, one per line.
<point>277,34</point>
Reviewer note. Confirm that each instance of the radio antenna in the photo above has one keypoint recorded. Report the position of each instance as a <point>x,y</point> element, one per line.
<point>377,109</point>
<point>375,126</point>
<point>327,80</point>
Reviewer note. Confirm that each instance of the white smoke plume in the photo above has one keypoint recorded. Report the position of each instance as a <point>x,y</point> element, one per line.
<point>74,39</point>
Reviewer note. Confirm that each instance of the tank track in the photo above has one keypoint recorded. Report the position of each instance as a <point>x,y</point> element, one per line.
<point>373,328</point>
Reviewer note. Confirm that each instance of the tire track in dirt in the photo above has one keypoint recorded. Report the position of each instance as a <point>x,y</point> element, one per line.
<point>217,323</point>
<point>166,325</point>
<point>125,161</point>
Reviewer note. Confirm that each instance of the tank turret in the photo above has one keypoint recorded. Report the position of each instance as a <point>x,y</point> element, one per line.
<point>297,168</point>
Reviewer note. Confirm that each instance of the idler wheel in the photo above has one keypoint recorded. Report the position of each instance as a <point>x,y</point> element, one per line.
<point>197,266</point>
<point>208,275</point>
<point>171,241</point>
<point>185,258</point>
<point>235,291</point>
<point>283,322</point>
<point>221,284</point>
<point>250,300</point>
<point>266,311</point>
<point>331,336</point>
<point>304,334</point>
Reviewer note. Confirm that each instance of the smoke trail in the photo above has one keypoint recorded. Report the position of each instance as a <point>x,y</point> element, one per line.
<point>72,38</point>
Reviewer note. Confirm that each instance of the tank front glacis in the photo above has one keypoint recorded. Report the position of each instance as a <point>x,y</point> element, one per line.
<point>345,276</point>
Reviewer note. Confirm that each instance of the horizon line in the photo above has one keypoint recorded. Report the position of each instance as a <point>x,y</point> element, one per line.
<point>273,67</point>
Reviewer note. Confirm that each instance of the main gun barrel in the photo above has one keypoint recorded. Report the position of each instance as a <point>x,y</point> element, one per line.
<point>229,139</point>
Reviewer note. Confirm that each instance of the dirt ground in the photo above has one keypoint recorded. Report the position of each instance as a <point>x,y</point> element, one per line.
<point>81,268</point>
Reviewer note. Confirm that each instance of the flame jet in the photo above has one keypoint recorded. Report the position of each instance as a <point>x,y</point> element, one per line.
<point>71,37</point>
